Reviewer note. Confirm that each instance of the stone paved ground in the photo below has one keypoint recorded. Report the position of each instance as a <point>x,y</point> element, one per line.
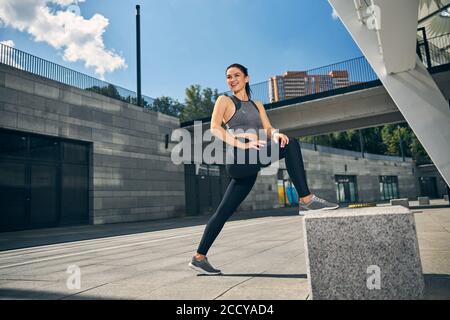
<point>261,255</point>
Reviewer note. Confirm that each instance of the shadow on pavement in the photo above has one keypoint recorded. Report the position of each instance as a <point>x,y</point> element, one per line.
<point>23,294</point>
<point>58,235</point>
<point>266,275</point>
<point>437,286</point>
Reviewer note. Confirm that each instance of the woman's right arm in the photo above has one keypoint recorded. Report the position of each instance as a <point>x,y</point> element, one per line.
<point>216,124</point>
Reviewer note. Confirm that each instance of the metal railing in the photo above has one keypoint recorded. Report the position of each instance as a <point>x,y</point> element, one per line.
<point>50,70</point>
<point>344,74</point>
<point>301,83</point>
<point>354,72</point>
<point>434,51</point>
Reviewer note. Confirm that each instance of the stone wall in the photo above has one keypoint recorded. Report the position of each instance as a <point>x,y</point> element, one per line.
<point>321,168</point>
<point>132,176</point>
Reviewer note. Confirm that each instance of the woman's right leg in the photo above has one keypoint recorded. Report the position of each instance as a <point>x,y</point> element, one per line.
<point>237,191</point>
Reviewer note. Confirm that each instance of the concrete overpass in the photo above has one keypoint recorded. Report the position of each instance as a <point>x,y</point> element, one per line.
<point>341,109</point>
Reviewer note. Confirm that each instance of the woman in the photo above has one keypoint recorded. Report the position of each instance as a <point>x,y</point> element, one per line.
<point>239,113</point>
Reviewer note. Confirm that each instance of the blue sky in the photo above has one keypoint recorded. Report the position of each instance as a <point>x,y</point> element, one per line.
<point>188,42</point>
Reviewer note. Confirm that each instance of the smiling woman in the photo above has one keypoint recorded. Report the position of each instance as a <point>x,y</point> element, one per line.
<point>241,115</point>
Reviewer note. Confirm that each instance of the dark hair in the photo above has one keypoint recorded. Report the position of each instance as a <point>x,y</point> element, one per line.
<point>245,71</point>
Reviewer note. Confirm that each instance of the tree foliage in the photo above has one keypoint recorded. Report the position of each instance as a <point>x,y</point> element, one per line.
<point>387,140</point>
<point>199,103</point>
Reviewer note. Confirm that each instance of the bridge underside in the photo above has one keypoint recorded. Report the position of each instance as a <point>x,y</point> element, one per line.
<point>353,110</point>
<point>386,31</point>
<point>360,109</point>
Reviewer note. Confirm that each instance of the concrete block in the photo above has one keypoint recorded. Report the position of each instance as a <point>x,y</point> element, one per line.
<point>56,107</point>
<point>369,253</point>
<point>46,91</point>
<point>8,119</point>
<point>70,97</point>
<point>8,95</point>
<point>79,132</point>
<point>400,202</point>
<point>121,122</point>
<point>29,123</point>
<point>19,83</point>
<point>2,79</point>
<point>91,102</point>
<point>81,113</point>
<point>102,135</point>
<point>423,200</point>
<point>102,117</point>
<point>51,127</point>
<point>110,107</point>
<point>446,197</point>
<point>31,101</point>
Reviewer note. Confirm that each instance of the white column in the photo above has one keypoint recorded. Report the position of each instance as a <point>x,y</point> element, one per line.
<point>390,51</point>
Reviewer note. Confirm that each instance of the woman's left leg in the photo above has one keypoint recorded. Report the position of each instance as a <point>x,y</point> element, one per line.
<point>292,155</point>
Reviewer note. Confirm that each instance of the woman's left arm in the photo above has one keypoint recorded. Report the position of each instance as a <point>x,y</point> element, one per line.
<point>268,126</point>
<point>265,119</point>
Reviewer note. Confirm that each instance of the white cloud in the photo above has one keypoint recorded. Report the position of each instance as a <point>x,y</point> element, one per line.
<point>7,56</point>
<point>334,15</point>
<point>79,38</point>
<point>9,43</point>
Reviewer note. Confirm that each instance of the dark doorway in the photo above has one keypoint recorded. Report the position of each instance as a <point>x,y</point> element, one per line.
<point>346,189</point>
<point>428,187</point>
<point>43,181</point>
<point>205,185</point>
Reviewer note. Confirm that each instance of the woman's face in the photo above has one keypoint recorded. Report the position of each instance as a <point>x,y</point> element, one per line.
<point>236,79</point>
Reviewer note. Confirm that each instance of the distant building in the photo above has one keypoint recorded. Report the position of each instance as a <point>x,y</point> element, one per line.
<point>299,83</point>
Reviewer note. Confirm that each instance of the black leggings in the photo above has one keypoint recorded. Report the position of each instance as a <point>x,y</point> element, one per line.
<point>243,177</point>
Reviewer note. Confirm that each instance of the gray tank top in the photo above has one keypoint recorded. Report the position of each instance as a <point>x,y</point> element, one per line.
<point>246,116</point>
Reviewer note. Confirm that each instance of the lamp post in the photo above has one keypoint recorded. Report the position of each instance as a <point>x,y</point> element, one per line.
<point>361,143</point>
<point>400,141</point>
<point>138,54</point>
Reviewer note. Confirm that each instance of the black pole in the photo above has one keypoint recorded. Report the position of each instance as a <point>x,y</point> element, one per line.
<point>361,143</point>
<point>138,54</point>
<point>400,141</point>
<point>427,48</point>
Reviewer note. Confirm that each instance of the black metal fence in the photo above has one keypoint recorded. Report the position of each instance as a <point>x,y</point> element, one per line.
<point>47,69</point>
<point>300,83</point>
<point>432,51</point>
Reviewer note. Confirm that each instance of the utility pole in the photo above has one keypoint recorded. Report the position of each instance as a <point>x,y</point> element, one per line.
<point>400,141</point>
<point>138,54</point>
<point>361,143</point>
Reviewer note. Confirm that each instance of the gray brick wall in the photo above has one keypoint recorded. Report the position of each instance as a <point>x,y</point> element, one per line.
<point>133,178</point>
<point>321,169</point>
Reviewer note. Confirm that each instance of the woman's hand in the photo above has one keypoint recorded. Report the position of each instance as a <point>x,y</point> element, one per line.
<point>281,138</point>
<point>253,144</point>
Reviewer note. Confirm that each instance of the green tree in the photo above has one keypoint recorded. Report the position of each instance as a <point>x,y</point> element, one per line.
<point>418,152</point>
<point>322,140</point>
<point>199,103</point>
<point>373,143</point>
<point>109,91</point>
<point>378,140</point>
<point>167,106</point>
<point>390,139</point>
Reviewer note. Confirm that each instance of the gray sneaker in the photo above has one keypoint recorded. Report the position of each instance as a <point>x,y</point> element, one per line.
<point>203,266</point>
<point>315,205</point>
